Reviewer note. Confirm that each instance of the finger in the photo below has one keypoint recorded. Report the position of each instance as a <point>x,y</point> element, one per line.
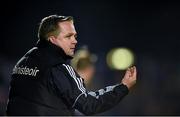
<point>128,73</point>
<point>131,70</point>
<point>134,72</point>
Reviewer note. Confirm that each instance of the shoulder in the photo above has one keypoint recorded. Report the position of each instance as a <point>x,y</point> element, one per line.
<point>64,68</point>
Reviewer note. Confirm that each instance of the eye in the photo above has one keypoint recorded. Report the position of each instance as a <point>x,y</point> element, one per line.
<point>71,35</point>
<point>68,36</point>
<point>75,36</point>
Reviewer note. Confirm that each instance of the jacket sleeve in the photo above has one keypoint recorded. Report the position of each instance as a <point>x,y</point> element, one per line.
<point>71,88</point>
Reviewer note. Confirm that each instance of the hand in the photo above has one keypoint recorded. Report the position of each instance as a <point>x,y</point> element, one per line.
<point>130,77</point>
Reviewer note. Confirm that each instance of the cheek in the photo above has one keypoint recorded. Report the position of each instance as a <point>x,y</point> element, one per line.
<point>66,47</point>
<point>61,44</point>
<point>64,44</point>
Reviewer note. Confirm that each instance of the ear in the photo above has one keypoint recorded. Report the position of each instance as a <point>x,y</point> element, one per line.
<point>52,39</point>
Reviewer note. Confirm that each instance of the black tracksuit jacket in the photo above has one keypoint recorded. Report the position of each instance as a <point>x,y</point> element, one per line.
<point>43,83</point>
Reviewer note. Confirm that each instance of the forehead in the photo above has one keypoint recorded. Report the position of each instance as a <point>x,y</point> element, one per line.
<point>67,27</point>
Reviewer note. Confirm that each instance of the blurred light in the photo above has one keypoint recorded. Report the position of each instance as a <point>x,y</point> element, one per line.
<point>120,58</point>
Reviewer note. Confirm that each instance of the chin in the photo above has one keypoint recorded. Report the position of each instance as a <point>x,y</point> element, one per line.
<point>71,54</point>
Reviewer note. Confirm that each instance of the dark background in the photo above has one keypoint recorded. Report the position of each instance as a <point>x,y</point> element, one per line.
<point>149,28</point>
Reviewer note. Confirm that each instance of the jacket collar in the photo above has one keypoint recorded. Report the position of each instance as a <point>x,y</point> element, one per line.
<point>52,52</point>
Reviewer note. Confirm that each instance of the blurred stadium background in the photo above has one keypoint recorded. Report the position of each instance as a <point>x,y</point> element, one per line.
<point>150,30</point>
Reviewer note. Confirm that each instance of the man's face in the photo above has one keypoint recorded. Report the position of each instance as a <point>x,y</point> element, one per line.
<point>66,38</point>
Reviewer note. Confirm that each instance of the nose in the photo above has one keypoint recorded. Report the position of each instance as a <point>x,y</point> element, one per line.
<point>74,41</point>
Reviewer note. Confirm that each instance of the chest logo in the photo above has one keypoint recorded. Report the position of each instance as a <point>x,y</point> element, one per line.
<point>25,71</point>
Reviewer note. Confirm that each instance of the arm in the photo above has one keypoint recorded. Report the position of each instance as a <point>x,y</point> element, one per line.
<point>101,100</point>
<point>72,89</point>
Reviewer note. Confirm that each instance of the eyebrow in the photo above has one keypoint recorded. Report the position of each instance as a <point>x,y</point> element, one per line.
<point>70,34</point>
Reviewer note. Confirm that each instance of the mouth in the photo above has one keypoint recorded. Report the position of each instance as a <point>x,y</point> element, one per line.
<point>72,49</point>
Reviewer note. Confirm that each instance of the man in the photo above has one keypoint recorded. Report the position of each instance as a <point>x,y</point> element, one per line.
<point>43,83</point>
<point>83,62</point>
